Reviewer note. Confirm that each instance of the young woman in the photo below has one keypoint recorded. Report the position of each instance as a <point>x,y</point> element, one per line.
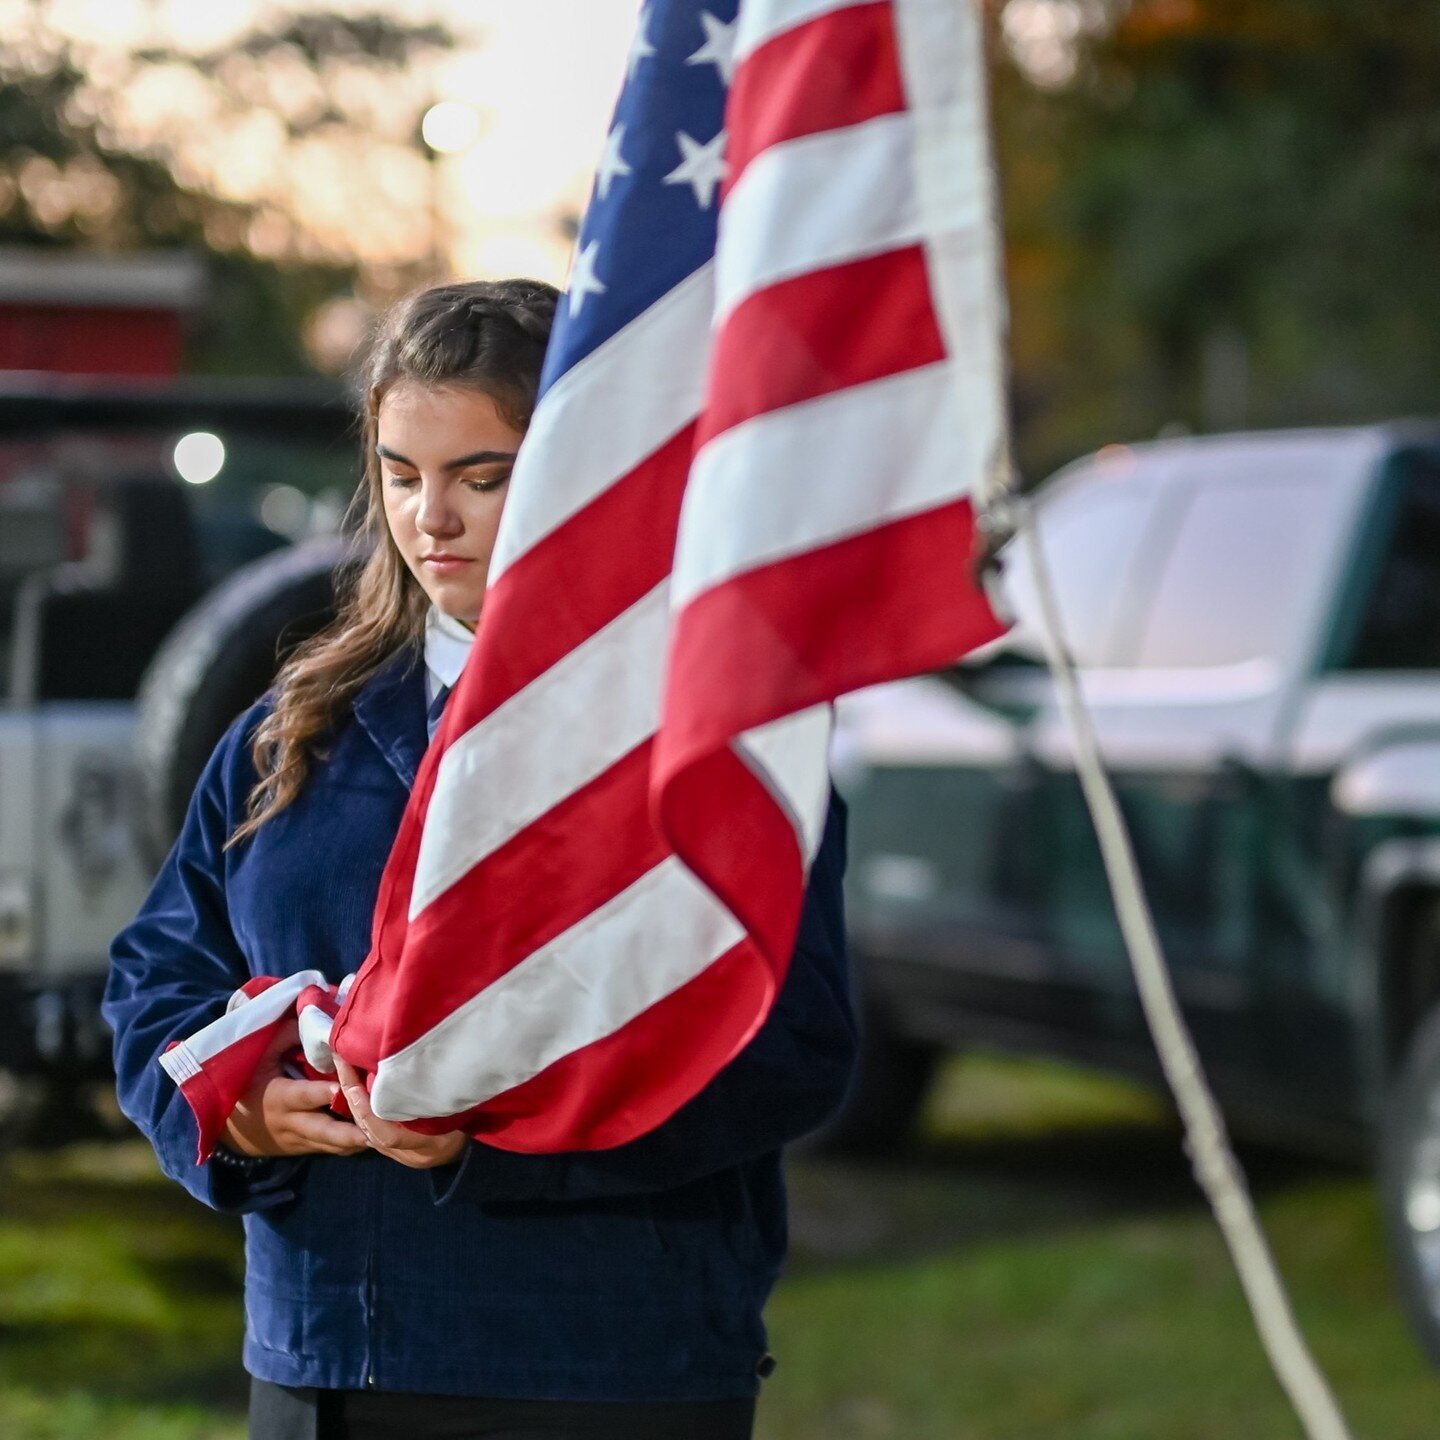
<point>402,1284</point>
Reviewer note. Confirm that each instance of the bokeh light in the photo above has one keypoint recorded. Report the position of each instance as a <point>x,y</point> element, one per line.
<point>450,127</point>
<point>286,510</point>
<point>199,457</point>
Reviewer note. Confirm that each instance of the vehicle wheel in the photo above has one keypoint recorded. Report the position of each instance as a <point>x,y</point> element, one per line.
<point>219,659</point>
<point>892,1079</point>
<point>1410,1181</point>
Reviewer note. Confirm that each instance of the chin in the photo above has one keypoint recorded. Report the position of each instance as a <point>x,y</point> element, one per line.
<point>455,598</point>
<point>458,607</point>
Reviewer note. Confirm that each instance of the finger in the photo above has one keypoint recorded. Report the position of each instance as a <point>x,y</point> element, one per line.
<point>339,1137</point>
<point>354,1088</point>
<point>379,1132</point>
<point>303,1094</point>
<point>321,1147</point>
<point>419,1152</point>
<point>382,1134</point>
<point>412,1159</point>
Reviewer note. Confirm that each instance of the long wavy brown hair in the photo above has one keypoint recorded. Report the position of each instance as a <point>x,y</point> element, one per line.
<point>483,335</point>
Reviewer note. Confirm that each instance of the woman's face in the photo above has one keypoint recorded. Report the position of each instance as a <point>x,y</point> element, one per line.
<point>445,458</point>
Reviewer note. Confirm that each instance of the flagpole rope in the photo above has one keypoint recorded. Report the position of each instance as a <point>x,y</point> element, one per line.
<point>1206,1139</point>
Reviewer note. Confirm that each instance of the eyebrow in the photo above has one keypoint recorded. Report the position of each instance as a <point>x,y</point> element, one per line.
<point>478,457</point>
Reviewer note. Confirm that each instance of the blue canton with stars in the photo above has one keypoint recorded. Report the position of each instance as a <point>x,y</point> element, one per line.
<point>652,215</point>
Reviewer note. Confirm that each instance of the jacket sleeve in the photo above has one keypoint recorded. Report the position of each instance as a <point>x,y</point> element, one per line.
<point>786,1082</point>
<point>172,970</point>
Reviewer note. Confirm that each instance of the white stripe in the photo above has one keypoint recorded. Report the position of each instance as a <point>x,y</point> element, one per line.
<point>942,60</point>
<point>812,473</point>
<point>245,1017</point>
<point>791,756</point>
<point>179,1064</point>
<point>581,987</point>
<point>315,1027</point>
<point>607,414</point>
<point>817,201</point>
<point>763,20</point>
<point>573,723</point>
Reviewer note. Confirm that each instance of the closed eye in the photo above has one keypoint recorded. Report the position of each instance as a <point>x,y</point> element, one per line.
<point>493,482</point>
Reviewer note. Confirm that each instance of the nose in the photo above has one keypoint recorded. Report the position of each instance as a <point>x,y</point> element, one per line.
<point>436,516</point>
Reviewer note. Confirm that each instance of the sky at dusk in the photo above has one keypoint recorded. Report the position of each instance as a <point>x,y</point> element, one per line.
<point>543,74</point>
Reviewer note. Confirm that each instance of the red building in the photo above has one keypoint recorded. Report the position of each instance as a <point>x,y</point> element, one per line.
<point>81,313</point>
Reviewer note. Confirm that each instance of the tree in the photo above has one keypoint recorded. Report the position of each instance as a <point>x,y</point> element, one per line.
<point>1235,209</point>
<point>83,161</point>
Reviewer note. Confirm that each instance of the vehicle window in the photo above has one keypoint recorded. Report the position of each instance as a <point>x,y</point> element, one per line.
<point>105,547</point>
<point>1092,531</point>
<point>1232,586</point>
<point>1400,627</point>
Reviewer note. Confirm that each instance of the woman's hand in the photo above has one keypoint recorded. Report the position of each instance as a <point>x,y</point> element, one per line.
<point>409,1147</point>
<point>280,1116</point>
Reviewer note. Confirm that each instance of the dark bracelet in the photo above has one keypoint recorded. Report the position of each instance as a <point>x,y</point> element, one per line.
<point>240,1164</point>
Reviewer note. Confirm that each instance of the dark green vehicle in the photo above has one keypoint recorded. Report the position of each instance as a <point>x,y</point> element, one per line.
<point>1257,618</point>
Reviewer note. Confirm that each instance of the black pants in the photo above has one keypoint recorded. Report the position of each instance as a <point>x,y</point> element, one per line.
<point>278,1412</point>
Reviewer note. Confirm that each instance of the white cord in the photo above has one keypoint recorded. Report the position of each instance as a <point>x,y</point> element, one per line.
<point>1207,1143</point>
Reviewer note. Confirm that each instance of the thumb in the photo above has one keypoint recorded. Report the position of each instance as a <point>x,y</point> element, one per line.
<point>351,1083</point>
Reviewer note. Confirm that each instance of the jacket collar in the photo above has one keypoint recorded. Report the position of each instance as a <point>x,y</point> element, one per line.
<point>390,708</point>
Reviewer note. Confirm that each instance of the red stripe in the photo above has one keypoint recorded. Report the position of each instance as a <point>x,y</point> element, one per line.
<point>546,879</point>
<point>550,877</point>
<point>622,1086</point>
<point>222,1080</point>
<point>896,600</point>
<point>570,584</point>
<point>820,332</point>
<point>724,820</point>
<point>574,582</point>
<point>837,70</point>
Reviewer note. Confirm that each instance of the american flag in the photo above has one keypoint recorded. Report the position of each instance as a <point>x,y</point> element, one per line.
<point>773,388</point>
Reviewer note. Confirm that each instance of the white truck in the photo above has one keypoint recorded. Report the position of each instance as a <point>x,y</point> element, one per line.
<point>136,619</point>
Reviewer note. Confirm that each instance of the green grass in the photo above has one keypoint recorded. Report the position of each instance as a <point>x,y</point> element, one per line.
<point>1127,1331</point>
<point>1043,1266</point>
<point>119,1302</point>
<point>1040,1268</point>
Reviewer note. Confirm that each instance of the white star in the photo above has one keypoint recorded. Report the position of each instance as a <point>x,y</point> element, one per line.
<point>640,46</point>
<point>583,279</point>
<point>703,167</point>
<point>719,47</point>
<point>612,162</point>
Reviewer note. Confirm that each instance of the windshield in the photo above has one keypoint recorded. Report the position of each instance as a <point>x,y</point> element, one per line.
<point>1094,526</point>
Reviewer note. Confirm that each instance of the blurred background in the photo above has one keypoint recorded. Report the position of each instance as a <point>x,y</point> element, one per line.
<point>1219,212</point>
<point>1221,216</point>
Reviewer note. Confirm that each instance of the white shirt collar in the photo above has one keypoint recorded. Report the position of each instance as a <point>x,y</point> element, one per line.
<point>447,647</point>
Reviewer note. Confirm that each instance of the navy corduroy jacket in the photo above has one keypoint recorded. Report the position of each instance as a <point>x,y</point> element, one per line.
<point>638,1273</point>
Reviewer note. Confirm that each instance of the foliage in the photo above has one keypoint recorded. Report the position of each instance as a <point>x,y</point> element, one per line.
<point>1241,185</point>
<point>74,170</point>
